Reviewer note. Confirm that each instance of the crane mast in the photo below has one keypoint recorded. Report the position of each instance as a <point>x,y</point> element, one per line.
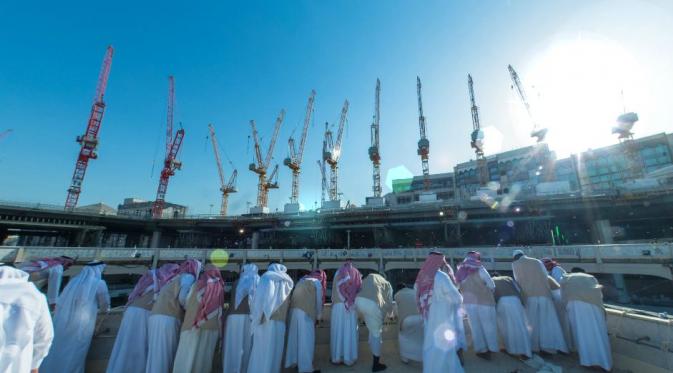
<point>374,154</point>
<point>321,165</point>
<point>89,141</point>
<point>295,158</point>
<point>477,137</point>
<point>225,187</point>
<point>332,152</point>
<point>261,166</point>
<point>171,164</point>
<point>423,143</point>
<point>537,132</point>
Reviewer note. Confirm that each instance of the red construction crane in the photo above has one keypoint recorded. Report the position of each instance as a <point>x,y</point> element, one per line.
<point>295,158</point>
<point>89,141</point>
<point>171,164</point>
<point>423,143</point>
<point>261,165</point>
<point>228,187</point>
<point>374,154</point>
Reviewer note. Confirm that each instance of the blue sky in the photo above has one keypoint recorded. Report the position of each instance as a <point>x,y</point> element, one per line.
<point>236,61</point>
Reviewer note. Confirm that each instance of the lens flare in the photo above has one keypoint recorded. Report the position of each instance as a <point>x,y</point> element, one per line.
<point>219,258</point>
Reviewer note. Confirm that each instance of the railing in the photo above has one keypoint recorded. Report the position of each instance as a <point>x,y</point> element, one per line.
<point>650,259</point>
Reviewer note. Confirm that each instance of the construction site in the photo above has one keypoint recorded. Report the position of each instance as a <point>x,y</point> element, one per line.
<point>604,210</point>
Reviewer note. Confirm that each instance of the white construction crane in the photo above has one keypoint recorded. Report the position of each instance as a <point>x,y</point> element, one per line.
<point>321,166</point>
<point>332,153</point>
<point>262,164</point>
<point>225,187</point>
<point>477,137</point>
<point>295,158</point>
<point>423,143</point>
<point>537,132</point>
<point>374,154</point>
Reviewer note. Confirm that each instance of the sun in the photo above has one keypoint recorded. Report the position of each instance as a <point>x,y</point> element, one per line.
<point>577,88</point>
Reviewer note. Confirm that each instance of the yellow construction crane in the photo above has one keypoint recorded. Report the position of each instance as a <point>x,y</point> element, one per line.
<point>293,161</point>
<point>225,187</point>
<point>262,164</point>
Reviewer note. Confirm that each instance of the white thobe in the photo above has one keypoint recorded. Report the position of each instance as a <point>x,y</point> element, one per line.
<point>557,273</point>
<point>410,338</point>
<point>513,326</point>
<point>25,323</point>
<point>237,343</point>
<point>164,333</point>
<point>129,354</point>
<point>301,334</point>
<point>590,334</point>
<point>373,318</point>
<point>71,344</point>
<point>267,347</point>
<point>482,319</point>
<point>442,335</point>
<point>546,332</point>
<point>196,351</point>
<point>343,334</point>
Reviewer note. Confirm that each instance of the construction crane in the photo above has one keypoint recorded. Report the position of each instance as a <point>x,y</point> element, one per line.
<point>262,164</point>
<point>295,158</point>
<point>374,154</point>
<point>423,143</point>
<point>225,187</point>
<point>171,164</point>
<point>537,132</point>
<point>477,137</point>
<point>321,166</point>
<point>332,152</point>
<point>89,141</point>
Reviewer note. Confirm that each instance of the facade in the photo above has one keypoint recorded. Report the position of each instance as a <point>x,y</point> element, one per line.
<point>534,171</point>
<point>406,191</point>
<point>139,208</point>
<point>97,208</point>
<point>611,167</point>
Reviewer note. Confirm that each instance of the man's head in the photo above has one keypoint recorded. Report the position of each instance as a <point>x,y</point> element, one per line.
<point>577,270</point>
<point>518,253</point>
<point>400,286</point>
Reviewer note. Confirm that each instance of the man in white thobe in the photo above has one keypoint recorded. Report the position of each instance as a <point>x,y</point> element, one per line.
<point>477,288</point>
<point>546,331</point>
<point>75,320</point>
<point>202,324</point>
<point>439,302</point>
<point>584,303</point>
<point>269,314</point>
<point>512,322</point>
<point>25,322</point>
<point>374,302</point>
<point>556,273</point>
<point>48,273</point>
<point>166,317</point>
<point>344,318</point>
<point>129,353</point>
<point>410,335</point>
<point>306,305</point>
<point>237,335</point>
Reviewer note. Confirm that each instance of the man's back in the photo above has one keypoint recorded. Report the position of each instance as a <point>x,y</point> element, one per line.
<point>27,331</point>
<point>531,276</point>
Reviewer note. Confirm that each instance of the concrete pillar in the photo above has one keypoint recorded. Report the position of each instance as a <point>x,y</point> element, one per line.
<point>602,232</point>
<point>156,238</point>
<point>99,238</point>
<point>79,238</point>
<point>255,240</point>
<point>348,239</point>
<point>620,285</point>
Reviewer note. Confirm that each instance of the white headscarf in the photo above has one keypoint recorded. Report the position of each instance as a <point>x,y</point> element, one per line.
<point>274,287</point>
<point>247,284</point>
<point>78,295</point>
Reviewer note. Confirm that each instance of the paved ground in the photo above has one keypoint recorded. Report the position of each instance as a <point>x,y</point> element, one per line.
<point>500,362</point>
